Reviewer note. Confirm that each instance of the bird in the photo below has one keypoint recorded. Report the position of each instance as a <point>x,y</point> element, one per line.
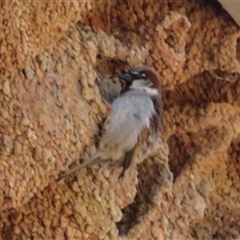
<point>135,114</point>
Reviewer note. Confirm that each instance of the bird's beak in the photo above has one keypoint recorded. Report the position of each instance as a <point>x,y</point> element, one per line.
<point>126,77</point>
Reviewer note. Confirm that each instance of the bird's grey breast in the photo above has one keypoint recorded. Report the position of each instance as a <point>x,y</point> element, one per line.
<point>131,113</point>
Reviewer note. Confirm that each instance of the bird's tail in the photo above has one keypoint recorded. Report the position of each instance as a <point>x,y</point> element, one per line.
<point>95,159</point>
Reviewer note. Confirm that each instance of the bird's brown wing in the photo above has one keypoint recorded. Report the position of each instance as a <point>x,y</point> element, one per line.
<point>157,119</point>
<point>133,153</point>
<point>127,161</point>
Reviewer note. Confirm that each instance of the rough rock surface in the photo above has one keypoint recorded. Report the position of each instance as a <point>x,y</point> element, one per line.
<point>51,111</point>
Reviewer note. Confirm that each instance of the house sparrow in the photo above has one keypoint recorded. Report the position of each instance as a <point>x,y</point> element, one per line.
<point>135,114</point>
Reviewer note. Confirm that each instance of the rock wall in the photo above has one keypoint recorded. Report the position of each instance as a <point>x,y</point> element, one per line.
<point>52,109</point>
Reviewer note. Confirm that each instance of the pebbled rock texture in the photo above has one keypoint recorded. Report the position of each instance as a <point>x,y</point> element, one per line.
<point>59,62</point>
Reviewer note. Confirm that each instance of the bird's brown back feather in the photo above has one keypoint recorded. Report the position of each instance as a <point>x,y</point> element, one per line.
<point>157,119</point>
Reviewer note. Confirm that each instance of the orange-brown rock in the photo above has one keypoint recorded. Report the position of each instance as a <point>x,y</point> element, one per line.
<point>59,62</point>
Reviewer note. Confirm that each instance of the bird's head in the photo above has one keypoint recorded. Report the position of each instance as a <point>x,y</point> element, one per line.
<point>144,78</point>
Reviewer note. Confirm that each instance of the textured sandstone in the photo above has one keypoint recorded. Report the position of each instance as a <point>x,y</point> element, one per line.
<point>59,60</point>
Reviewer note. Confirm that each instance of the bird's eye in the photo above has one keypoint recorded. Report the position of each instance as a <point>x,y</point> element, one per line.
<point>137,75</point>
